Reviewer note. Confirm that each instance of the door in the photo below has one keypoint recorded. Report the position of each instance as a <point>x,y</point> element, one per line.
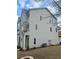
<point>27,42</point>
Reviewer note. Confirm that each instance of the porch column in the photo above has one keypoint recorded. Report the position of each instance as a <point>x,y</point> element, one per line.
<point>24,48</point>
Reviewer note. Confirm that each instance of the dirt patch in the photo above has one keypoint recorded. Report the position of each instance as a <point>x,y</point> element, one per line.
<point>51,52</point>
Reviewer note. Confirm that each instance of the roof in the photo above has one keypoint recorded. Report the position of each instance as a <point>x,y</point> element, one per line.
<point>23,11</point>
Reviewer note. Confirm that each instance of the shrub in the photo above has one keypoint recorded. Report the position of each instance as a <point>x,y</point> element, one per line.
<point>18,47</point>
<point>44,45</point>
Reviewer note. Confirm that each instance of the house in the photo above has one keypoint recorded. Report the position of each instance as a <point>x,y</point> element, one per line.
<point>18,31</point>
<point>59,33</point>
<point>38,27</point>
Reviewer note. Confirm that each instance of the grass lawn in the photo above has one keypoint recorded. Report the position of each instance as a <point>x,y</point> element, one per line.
<point>52,52</point>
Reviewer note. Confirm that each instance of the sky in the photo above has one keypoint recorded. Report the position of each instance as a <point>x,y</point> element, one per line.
<point>22,4</point>
<point>34,4</point>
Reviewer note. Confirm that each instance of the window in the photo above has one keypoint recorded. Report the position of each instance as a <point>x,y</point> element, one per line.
<point>56,29</point>
<point>50,29</point>
<point>36,26</point>
<point>40,18</point>
<point>59,33</point>
<point>34,40</point>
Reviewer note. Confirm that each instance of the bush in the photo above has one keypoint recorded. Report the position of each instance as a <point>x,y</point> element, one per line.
<point>44,45</point>
<point>18,47</point>
<point>21,49</point>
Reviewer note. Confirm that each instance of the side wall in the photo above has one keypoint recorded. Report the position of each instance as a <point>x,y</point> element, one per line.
<point>42,34</point>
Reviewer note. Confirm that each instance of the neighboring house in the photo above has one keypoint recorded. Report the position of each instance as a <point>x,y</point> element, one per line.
<point>38,27</point>
<point>59,32</point>
<point>18,31</point>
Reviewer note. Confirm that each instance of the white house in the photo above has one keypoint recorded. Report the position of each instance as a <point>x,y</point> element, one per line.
<point>40,27</point>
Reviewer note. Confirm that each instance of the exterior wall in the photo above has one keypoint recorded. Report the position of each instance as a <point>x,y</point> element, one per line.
<point>42,34</point>
<point>59,20</point>
<point>21,26</point>
<point>59,39</point>
<point>59,34</point>
<point>17,40</point>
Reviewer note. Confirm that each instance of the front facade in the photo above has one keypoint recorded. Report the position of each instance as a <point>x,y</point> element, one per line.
<point>42,29</point>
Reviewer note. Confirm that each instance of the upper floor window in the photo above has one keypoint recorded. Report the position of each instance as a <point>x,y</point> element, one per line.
<point>50,29</point>
<point>40,18</point>
<point>36,27</point>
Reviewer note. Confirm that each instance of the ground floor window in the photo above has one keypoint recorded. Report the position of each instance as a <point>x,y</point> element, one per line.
<point>50,29</point>
<point>34,40</point>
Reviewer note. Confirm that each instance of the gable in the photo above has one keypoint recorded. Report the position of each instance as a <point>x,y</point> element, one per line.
<point>44,10</point>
